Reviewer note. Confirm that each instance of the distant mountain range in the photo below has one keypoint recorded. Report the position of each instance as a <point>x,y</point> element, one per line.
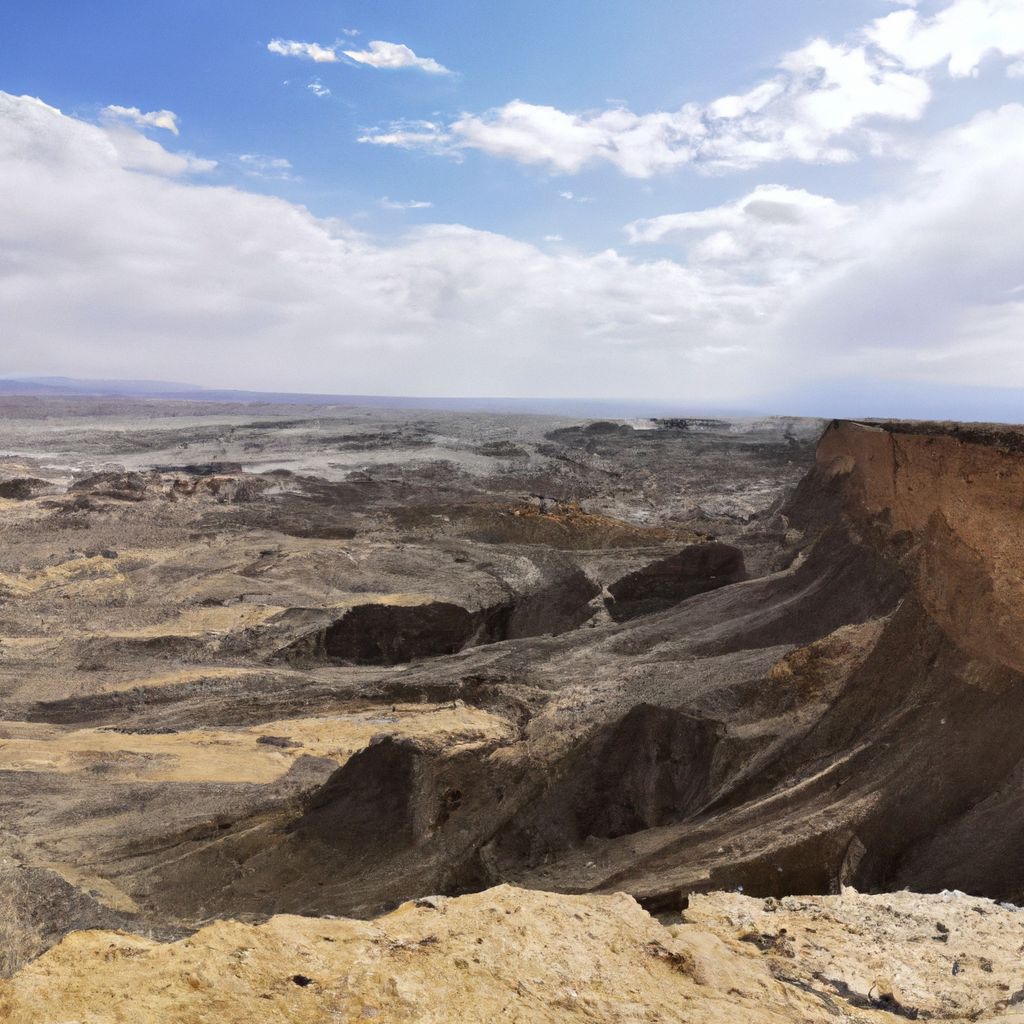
<point>71,387</point>
<point>848,398</point>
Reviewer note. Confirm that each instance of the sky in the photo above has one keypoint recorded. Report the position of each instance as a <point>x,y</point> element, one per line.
<point>808,206</point>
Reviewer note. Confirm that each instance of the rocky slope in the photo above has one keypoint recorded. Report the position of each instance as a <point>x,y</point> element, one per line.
<point>835,721</point>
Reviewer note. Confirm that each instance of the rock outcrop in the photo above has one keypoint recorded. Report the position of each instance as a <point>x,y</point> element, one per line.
<point>509,954</point>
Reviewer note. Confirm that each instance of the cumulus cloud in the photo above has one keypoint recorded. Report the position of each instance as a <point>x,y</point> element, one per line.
<point>924,284</point>
<point>823,104</point>
<point>774,235</point>
<point>134,151</point>
<point>395,55</point>
<point>959,36</point>
<point>821,94</point>
<point>774,206</point>
<point>165,119</point>
<point>108,270</point>
<point>317,88</point>
<point>308,51</point>
<point>932,288</point>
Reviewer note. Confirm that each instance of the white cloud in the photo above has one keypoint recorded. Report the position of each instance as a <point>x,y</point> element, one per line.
<point>379,54</point>
<point>273,167</point>
<point>823,104</point>
<point>165,119</point>
<point>773,236</point>
<point>408,204</point>
<point>136,152</point>
<point>350,32</point>
<point>107,271</point>
<point>408,134</point>
<point>308,51</point>
<point>553,238</point>
<point>395,55</point>
<point>821,95</point>
<point>317,88</point>
<point>1016,70</point>
<point>931,288</point>
<point>960,35</point>
<point>925,284</point>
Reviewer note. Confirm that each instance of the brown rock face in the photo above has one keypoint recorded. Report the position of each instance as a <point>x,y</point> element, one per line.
<point>958,499</point>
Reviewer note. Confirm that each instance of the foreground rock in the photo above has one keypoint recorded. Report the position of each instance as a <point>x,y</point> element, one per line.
<point>513,955</point>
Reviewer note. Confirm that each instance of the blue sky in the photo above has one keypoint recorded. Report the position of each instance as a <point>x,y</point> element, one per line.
<point>722,203</point>
<point>210,64</point>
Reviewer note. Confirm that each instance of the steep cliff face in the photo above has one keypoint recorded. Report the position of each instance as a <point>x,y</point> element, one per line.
<point>955,498</point>
<point>883,742</point>
<point>937,714</point>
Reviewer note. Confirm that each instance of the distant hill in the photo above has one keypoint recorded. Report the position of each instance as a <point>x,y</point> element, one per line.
<point>71,387</point>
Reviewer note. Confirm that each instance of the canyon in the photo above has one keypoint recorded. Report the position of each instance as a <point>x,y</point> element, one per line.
<point>317,714</point>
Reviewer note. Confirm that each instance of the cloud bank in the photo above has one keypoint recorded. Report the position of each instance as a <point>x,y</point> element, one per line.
<point>118,260</point>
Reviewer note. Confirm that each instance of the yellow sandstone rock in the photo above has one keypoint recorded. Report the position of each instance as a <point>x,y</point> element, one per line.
<point>514,955</point>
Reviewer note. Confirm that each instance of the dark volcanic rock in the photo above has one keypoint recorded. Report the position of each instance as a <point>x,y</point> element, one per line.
<point>390,634</point>
<point>380,634</point>
<point>661,584</point>
<point>23,488</point>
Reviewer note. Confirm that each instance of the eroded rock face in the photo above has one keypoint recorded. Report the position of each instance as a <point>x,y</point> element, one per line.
<point>696,569</point>
<point>381,634</point>
<point>392,633</point>
<point>651,768</point>
<point>956,496</point>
